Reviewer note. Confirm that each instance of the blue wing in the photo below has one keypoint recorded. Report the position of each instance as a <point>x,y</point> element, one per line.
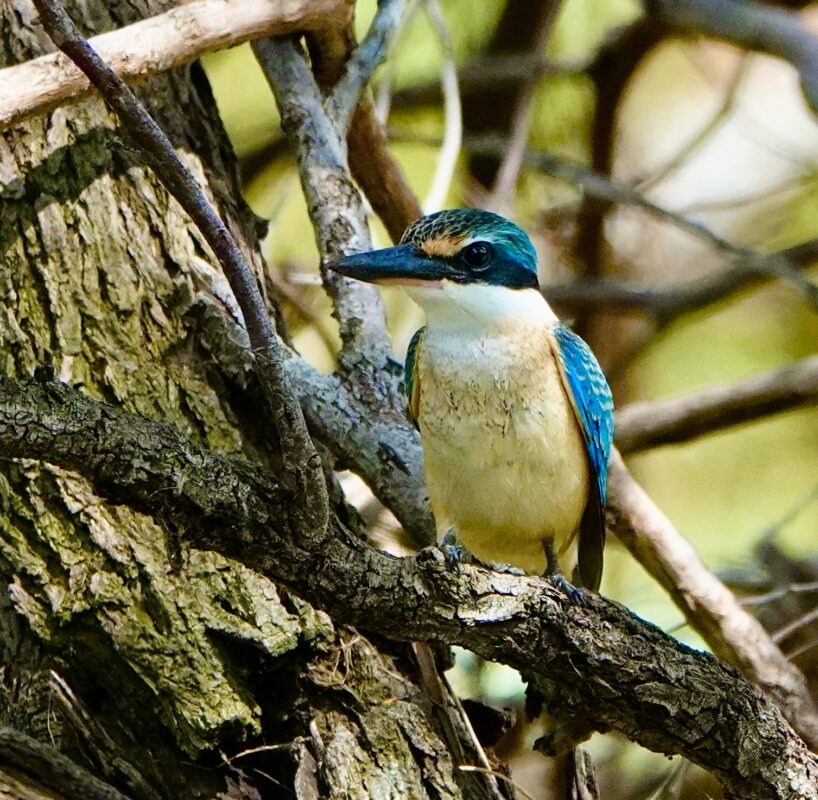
<point>591,398</point>
<point>411,384</point>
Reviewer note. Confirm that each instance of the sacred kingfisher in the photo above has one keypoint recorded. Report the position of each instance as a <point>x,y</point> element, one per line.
<point>514,413</point>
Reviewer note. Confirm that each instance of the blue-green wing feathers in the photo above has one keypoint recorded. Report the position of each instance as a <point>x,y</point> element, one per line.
<point>591,398</point>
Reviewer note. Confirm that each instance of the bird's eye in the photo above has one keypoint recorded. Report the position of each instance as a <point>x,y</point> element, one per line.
<point>477,255</point>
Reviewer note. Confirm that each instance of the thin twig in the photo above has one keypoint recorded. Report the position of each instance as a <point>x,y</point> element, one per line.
<point>799,651</point>
<point>502,192</point>
<point>301,461</point>
<point>779,594</point>
<point>702,136</point>
<point>368,55</point>
<point>640,426</point>
<point>796,624</point>
<point>452,111</point>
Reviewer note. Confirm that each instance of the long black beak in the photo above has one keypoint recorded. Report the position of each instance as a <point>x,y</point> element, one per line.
<point>401,264</point>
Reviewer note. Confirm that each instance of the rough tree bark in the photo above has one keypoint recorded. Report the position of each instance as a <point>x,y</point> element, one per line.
<point>163,658</point>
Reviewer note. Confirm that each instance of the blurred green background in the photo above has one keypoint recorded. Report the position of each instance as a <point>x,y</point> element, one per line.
<point>747,152</point>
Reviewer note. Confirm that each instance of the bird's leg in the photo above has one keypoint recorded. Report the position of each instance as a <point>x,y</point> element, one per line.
<point>456,555</point>
<point>554,574</point>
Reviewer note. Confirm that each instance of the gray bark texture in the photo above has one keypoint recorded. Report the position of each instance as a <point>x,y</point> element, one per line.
<point>165,663</point>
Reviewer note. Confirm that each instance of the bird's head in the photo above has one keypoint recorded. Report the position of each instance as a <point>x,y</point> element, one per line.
<point>463,246</point>
<point>465,267</point>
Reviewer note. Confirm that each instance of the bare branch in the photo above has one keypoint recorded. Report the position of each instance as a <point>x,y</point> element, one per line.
<point>334,203</point>
<point>300,458</point>
<point>640,426</point>
<point>378,174</point>
<point>367,57</point>
<point>159,43</point>
<point>709,606</point>
<point>594,660</point>
<point>666,303</point>
<point>753,26</point>
<point>452,113</point>
<point>505,181</point>
<point>638,518</point>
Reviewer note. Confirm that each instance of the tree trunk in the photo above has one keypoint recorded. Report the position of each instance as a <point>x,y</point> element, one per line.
<point>163,661</point>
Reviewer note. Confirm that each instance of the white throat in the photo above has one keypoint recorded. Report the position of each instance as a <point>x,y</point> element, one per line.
<point>477,308</point>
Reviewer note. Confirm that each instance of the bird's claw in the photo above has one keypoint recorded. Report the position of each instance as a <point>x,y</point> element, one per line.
<point>574,593</point>
<point>455,555</point>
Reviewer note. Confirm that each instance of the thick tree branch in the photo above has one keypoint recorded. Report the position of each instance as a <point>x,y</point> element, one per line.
<point>595,660</point>
<point>159,43</point>
<point>706,602</point>
<point>640,426</point>
<point>300,458</point>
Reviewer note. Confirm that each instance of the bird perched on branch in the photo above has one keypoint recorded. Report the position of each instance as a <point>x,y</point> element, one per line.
<point>514,413</point>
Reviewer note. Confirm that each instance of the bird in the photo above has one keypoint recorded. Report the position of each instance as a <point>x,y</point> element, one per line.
<point>514,412</point>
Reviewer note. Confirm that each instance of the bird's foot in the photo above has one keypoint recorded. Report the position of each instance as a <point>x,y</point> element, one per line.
<point>455,554</point>
<point>562,583</point>
<point>553,573</point>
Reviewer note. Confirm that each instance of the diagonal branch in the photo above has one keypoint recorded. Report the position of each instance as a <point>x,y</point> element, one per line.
<point>301,461</point>
<point>368,55</point>
<point>753,26</point>
<point>177,37</point>
<point>594,660</point>
<point>706,602</point>
<point>710,607</point>
<point>333,201</point>
<point>666,303</point>
<point>48,768</point>
<point>640,426</point>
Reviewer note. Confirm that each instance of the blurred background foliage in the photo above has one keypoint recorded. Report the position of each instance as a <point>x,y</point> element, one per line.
<point>720,135</point>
